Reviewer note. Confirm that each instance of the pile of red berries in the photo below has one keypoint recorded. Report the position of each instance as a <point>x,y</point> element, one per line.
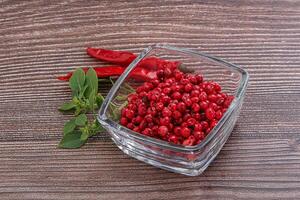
<point>176,107</point>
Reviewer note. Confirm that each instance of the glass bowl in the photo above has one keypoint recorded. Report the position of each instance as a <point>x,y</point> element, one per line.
<point>188,160</point>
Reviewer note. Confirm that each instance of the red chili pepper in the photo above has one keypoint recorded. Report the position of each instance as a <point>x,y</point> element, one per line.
<point>124,58</point>
<point>117,57</point>
<point>104,72</point>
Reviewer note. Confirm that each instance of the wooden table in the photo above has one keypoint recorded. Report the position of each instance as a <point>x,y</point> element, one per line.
<point>41,39</point>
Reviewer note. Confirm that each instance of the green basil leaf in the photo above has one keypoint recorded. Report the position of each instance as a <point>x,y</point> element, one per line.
<point>76,81</point>
<point>92,100</point>
<point>81,93</point>
<point>81,120</point>
<point>69,126</point>
<point>84,136</point>
<point>72,140</point>
<point>91,82</point>
<point>67,106</point>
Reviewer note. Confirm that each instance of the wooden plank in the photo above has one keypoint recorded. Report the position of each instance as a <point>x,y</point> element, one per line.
<point>264,168</point>
<point>40,40</point>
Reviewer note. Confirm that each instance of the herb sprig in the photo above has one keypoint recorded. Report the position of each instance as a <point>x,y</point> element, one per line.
<point>85,99</point>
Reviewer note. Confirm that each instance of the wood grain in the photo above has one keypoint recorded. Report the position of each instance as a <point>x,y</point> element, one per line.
<point>40,40</point>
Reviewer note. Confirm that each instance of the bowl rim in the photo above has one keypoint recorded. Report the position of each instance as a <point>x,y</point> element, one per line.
<point>104,120</point>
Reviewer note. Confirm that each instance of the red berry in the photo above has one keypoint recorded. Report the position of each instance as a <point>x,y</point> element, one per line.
<point>147,131</point>
<point>132,107</point>
<point>148,118</point>
<point>139,119</point>
<point>217,87</point>
<point>154,129</point>
<point>178,121</point>
<point>186,116</point>
<point>184,81</point>
<point>160,73</point>
<point>139,89</point>
<point>228,101</point>
<point>152,111</point>
<point>196,88</point>
<point>134,121</point>
<point>193,79</point>
<point>199,135</point>
<point>209,89</point>
<point>210,113</point>
<point>130,125</point>
<point>188,102</point>
<point>165,99</point>
<point>175,88</point>
<point>195,99</point>
<point>203,105</point>
<point>176,95</point>
<point>150,124</point>
<point>212,98</point>
<point>170,127</point>
<point>181,107</point>
<point>224,110</point>
<point>173,139</point>
<point>197,116</point>
<point>167,90</point>
<point>189,142</point>
<point>167,72</point>
<point>162,131</point>
<point>219,114</point>
<point>213,123</point>
<point>203,96</point>
<point>164,121</point>
<point>155,82</point>
<point>172,106</point>
<point>204,125</point>
<point>170,80</point>
<point>142,125</point>
<point>159,106</point>
<point>195,93</point>
<point>185,132</point>
<point>142,110</point>
<point>178,76</point>
<point>199,78</point>
<point>176,114</point>
<point>195,107</point>
<point>123,112</point>
<point>213,106</point>
<point>191,122</point>
<point>177,130</point>
<point>154,97</point>
<point>166,112</point>
<point>184,125</point>
<point>136,129</point>
<point>207,130</point>
<point>132,97</point>
<point>197,127</point>
<point>123,121</point>
<point>148,86</point>
<point>129,114</point>
<point>220,99</point>
<point>188,87</point>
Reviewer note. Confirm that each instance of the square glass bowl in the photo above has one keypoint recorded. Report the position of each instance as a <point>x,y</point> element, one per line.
<point>189,160</point>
